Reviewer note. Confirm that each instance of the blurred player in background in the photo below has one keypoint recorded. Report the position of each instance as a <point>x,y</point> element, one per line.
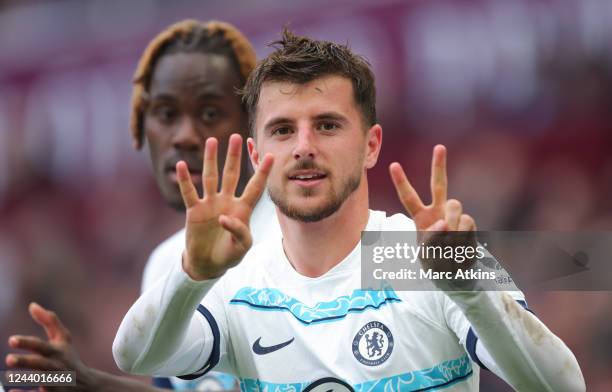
<point>292,314</point>
<point>185,90</point>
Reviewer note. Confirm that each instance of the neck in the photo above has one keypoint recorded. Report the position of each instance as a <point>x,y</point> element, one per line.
<point>313,248</point>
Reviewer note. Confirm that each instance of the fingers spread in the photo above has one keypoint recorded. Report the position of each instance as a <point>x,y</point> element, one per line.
<point>210,172</point>
<point>32,343</point>
<point>405,192</point>
<point>188,191</point>
<point>439,182</point>
<point>231,171</point>
<point>50,322</point>
<point>257,183</point>
<point>452,213</point>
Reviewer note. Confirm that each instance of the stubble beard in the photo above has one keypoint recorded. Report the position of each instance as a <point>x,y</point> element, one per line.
<point>333,204</point>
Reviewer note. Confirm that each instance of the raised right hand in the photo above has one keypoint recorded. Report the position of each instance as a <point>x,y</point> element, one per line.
<point>217,226</point>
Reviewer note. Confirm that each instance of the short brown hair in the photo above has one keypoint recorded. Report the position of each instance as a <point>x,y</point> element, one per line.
<point>301,60</point>
<point>184,37</point>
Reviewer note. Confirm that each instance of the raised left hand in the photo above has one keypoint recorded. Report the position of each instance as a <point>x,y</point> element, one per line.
<point>441,216</point>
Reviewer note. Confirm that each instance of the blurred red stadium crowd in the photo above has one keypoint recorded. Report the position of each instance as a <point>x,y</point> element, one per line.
<point>520,93</point>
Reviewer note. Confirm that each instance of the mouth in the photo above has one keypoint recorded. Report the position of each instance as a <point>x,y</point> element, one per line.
<point>307,178</point>
<point>194,174</point>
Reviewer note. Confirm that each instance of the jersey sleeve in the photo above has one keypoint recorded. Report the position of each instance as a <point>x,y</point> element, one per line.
<point>213,310</point>
<point>167,331</point>
<point>456,319</point>
<point>459,324</point>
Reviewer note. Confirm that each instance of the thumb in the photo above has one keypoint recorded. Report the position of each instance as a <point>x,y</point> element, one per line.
<point>239,230</point>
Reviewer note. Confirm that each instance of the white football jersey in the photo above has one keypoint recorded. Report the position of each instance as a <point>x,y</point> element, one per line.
<point>263,224</point>
<point>278,330</point>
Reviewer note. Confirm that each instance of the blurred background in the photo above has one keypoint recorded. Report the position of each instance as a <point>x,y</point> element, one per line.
<point>519,91</point>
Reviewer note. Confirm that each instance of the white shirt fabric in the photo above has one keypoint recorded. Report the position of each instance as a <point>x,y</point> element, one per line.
<point>420,341</point>
<point>278,330</point>
<point>420,335</point>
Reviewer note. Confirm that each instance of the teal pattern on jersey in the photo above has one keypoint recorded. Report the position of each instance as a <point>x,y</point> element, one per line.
<point>435,378</point>
<point>268,299</point>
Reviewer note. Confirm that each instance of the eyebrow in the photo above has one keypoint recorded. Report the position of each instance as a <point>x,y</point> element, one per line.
<point>332,116</point>
<point>163,97</point>
<point>323,116</point>
<point>210,95</point>
<point>199,96</point>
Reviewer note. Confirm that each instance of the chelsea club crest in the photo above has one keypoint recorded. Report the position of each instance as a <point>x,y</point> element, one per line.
<point>373,344</point>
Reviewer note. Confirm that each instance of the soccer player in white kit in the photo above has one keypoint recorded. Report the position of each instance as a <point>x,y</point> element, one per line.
<point>289,313</point>
<point>184,91</point>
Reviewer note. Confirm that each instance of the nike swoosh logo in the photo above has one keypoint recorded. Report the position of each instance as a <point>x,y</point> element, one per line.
<point>261,350</point>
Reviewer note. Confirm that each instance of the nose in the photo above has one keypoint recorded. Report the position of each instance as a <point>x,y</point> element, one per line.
<point>186,136</point>
<point>305,147</point>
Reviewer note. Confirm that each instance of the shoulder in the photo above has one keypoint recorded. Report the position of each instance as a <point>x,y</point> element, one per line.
<point>379,220</point>
<point>157,264</point>
<point>174,243</point>
<point>399,222</point>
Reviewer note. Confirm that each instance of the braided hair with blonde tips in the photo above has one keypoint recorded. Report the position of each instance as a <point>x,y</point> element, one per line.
<point>187,36</point>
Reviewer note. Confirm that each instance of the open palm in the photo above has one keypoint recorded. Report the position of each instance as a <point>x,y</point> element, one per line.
<point>217,231</point>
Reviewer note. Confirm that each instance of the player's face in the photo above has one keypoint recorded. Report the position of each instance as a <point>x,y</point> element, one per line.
<point>316,134</point>
<point>192,97</point>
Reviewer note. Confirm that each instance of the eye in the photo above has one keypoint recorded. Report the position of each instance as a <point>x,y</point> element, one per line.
<point>209,114</point>
<point>165,114</point>
<point>281,131</point>
<point>328,126</point>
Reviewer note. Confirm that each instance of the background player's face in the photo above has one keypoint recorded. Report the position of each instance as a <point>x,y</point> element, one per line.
<point>192,97</point>
<point>321,150</point>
